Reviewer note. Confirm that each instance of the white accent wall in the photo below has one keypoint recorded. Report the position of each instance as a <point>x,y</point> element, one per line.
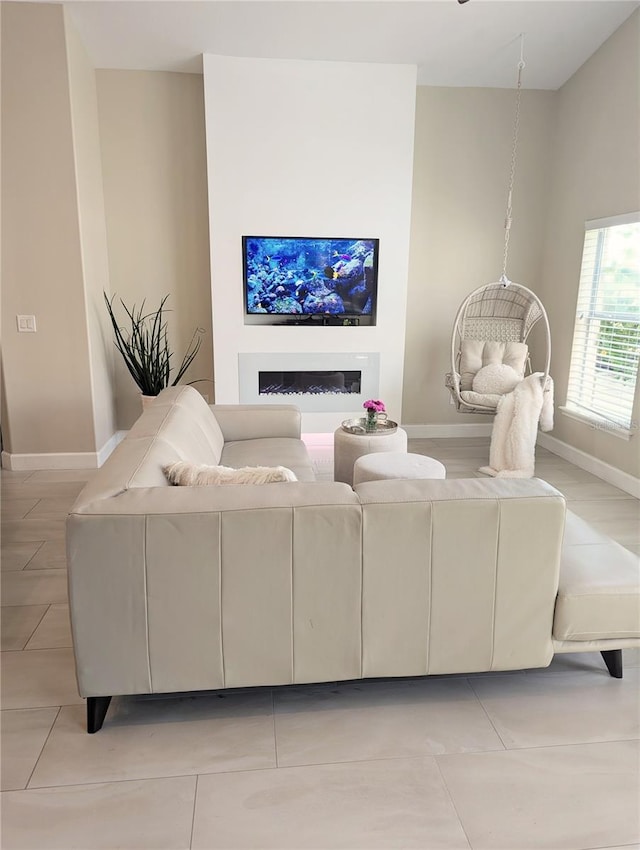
<point>303,148</point>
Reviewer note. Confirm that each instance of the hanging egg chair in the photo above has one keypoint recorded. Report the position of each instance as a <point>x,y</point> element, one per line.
<point>491,330</point>
<point>489,351</point>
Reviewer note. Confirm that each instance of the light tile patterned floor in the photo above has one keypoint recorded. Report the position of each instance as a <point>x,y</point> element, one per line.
<point>520,760</point>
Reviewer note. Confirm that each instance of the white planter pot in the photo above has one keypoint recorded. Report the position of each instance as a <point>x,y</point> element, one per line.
<point>147,400</point>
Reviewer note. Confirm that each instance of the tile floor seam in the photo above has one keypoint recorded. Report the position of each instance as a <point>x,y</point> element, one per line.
<point>453,802</point>
<point>146,778</point>
<point>44,648</point>
<point>40,648</point>
<point>17,606</point>
<point>26,787</point>
<point>486,713</point>
<point>32,508</point>
<point>29,605</point>
<point>250,770</point>
<point>24,648</point>
<point>193,814</point>
<point>374,759</point>
<point>36,707</point>
<point>584,847</point>
<point>514,747</point>
<point>568,744</point>
<point>634,845</point>
<point>34,554</point>
<point>326,764</point>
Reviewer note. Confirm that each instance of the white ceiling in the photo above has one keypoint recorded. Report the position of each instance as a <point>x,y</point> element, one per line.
<point>474,44</point>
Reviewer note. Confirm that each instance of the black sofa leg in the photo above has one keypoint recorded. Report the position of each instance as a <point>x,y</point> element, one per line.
<point>613,660</point>
<point>96,712</point>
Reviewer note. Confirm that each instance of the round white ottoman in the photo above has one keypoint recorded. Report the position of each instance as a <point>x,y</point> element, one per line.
<point>396,465</point>
<point>347,448</point>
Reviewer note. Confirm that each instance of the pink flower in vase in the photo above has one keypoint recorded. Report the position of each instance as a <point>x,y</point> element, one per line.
<point>375,412</point>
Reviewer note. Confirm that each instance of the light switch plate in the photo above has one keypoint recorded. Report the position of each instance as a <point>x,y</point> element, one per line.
<point>26,324</point>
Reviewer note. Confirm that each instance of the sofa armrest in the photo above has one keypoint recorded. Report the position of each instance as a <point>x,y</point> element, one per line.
<point>256,421</point>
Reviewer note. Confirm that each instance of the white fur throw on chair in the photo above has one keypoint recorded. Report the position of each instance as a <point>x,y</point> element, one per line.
<point>513,438</point>
<point>185,474</point>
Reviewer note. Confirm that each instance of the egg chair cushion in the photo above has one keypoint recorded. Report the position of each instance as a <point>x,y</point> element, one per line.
<point>480,399</point>
<point>496,378</point>
<point>476,353</point>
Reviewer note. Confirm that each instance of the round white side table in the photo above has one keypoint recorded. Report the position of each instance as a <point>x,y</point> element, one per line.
<point>389,465</point>
<point>347,448</point>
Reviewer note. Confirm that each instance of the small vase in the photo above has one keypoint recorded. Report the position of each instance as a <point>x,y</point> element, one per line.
<point>371,422</point>
<point>147,400</point>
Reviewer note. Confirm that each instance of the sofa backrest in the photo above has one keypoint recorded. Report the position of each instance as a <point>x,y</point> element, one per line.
<point>459,575</point>
<point>179,425</point>
<point>183,427</point>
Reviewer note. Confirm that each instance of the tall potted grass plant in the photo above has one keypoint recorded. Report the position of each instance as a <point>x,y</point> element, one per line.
<point>144,345</point>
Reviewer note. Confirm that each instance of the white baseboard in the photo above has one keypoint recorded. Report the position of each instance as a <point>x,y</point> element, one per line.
<point>61,460</point>
<point>611,474</point>
<point>54,460</point>
<point>447,430</point>
<point>110,445</point>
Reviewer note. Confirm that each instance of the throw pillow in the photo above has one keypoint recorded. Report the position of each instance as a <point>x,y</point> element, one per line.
<point>496,378</point>
<point>185,474</point>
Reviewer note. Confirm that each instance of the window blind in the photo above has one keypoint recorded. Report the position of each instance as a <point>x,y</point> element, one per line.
<point>606,338</point>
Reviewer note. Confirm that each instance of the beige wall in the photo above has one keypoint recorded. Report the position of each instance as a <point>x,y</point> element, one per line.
<point>461,174</point>
<point>93,235</point>
<point>155,187</point>
<point>47,374</point>
<point>596,173</point>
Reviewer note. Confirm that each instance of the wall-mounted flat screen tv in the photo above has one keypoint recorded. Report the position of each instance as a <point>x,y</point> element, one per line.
<point>300,276</point>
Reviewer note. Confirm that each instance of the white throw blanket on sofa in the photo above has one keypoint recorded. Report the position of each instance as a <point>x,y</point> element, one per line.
<point>513,438</point>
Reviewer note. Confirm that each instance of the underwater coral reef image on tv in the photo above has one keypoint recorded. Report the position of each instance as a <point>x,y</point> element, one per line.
<point>308,276</point>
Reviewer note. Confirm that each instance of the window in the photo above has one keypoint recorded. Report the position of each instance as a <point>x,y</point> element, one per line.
<point>606,337</point>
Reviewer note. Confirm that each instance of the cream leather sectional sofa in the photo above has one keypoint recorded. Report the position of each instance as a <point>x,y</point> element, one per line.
<point>196,588</point>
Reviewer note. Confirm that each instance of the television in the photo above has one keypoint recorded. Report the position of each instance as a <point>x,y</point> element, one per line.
<point>306,278</point>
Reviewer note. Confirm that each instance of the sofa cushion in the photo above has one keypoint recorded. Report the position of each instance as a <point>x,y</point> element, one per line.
<point>270,451</point>
<point>579,531</point>
<point>599,593</point>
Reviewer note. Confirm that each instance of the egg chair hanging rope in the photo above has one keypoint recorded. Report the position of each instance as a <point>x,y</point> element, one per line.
<point>504,280</point>
<point>493,323</point>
